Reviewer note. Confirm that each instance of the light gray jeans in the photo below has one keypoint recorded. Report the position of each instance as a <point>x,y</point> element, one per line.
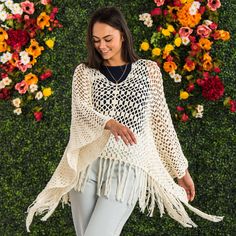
<point>95,215</point>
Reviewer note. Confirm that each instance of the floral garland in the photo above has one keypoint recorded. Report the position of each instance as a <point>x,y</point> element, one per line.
<point>181,45</point>
<point>23,31</point>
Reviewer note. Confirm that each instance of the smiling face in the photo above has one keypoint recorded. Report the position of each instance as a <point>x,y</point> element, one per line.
<point>107,41</point>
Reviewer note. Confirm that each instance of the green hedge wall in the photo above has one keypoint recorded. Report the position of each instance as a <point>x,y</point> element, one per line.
<point>30,151</point>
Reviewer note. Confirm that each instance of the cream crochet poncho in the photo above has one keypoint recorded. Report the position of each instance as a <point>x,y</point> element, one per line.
<point>139,103</point>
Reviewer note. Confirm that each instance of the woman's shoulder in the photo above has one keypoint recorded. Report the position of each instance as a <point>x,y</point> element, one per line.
<point>150,64</point>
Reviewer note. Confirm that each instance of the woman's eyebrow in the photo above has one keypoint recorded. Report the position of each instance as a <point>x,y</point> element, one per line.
<point>103,37</point>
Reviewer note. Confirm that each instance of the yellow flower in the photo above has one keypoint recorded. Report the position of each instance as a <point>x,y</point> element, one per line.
<point>165,32</point>
<point>156,51</point>
<point>47,92</point>
<point>50,43</point>
<point>144,46</point>
<point>178,42</point>
<point>169,48</point>
<point>183,95</point>
<point>170,28</point>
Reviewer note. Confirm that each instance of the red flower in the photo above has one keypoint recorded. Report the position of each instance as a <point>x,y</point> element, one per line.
<point>17,38</point>
<point>156,11</point>
<point>31,26</point>
<point>190,87</point>
<point>38,115</point>
<point>46,74</point>
<point>202,10</point>
<point>217,70</point>
<point>232,105</point>
<point>212,88</point>
<point>4,94</point>
<point>184,117</point>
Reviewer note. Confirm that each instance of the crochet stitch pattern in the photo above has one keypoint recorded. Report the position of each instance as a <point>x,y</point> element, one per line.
<point>139,103</point>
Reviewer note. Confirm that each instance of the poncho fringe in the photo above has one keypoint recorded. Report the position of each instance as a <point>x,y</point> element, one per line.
<point>88,139</point>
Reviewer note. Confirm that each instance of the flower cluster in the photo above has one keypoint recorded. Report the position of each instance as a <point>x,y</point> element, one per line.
<point>181,44</point>
<point>24,33</point>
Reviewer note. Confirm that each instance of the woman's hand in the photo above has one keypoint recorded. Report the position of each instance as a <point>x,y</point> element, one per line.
<point>187,183</point>
<point>121,130</point>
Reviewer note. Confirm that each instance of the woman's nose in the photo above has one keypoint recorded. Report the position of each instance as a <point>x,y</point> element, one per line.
<point>102,44</point>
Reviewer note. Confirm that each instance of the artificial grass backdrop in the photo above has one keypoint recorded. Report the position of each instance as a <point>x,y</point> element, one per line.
<point>30,150</point>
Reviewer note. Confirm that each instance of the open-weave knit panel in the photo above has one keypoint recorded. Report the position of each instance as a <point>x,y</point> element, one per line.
<point>139,103</point>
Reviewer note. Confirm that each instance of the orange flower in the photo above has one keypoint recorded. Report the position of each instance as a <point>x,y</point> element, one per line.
<point>207,57</point>
<point>14,58</point>
<point>31,79</point>
<point>3,46</point>
<point>224,35</point>
<point>185,18</point>
<point>34,49</point>
<point>205,43</point>
<point>207,65</point>
<point>169,66</point>
<point>189,65</point>
<point>3,34</point>
<point>43,20</point>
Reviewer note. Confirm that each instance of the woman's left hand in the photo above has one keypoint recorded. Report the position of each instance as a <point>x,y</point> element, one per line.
<point>187,183</point>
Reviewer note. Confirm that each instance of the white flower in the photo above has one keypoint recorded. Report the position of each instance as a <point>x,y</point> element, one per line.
<point>9,4</point>
<point>17,111</point>
<point>3,15</point>
<point>192,10</point>
<point>2,85</point>
<point>172,74</point>
<point>25,59</point>
<point>6,81</point>
<point>33,88</point>
<point>177,78</point>
<point>196,5</point>
<point>207,22</point>
<point>145,16</point>
<point>148,23</point>
<point>199,115</point>
<point>39,95</point>
<point>185,40</point>
<point>16,9</point>
<point>1,7</point>
<point>16,102</point>
<point>199,108</point>
<point>5,57</point>
<point>4,26</point>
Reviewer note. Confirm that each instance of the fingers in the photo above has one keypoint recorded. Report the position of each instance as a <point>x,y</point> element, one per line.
<point>125,133</point>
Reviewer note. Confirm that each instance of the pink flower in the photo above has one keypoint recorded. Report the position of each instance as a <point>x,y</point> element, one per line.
<point>213,26</point>
<point>21,87</point>
<point>213,4</point>
<point>159,2</point>
<point>23,67</point>
<point>185,32</point>
<point>45,2</point>
<point>184,117</point>
<point>27,7</point>
<point>179,108</point>
<point>204,31</point>
<point>156,11</point>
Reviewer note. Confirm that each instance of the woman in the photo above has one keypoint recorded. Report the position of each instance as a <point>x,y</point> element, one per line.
<point>123,147</point>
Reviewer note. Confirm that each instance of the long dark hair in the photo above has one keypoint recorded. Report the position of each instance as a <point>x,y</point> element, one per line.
<point>113,17</point>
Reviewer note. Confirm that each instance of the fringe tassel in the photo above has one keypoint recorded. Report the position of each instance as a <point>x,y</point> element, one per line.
<point>146,190</point>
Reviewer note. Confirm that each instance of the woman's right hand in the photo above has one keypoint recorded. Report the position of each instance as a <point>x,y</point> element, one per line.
<point>118,129</point>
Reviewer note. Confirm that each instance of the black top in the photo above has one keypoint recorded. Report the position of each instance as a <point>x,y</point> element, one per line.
<point>116,72</point>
